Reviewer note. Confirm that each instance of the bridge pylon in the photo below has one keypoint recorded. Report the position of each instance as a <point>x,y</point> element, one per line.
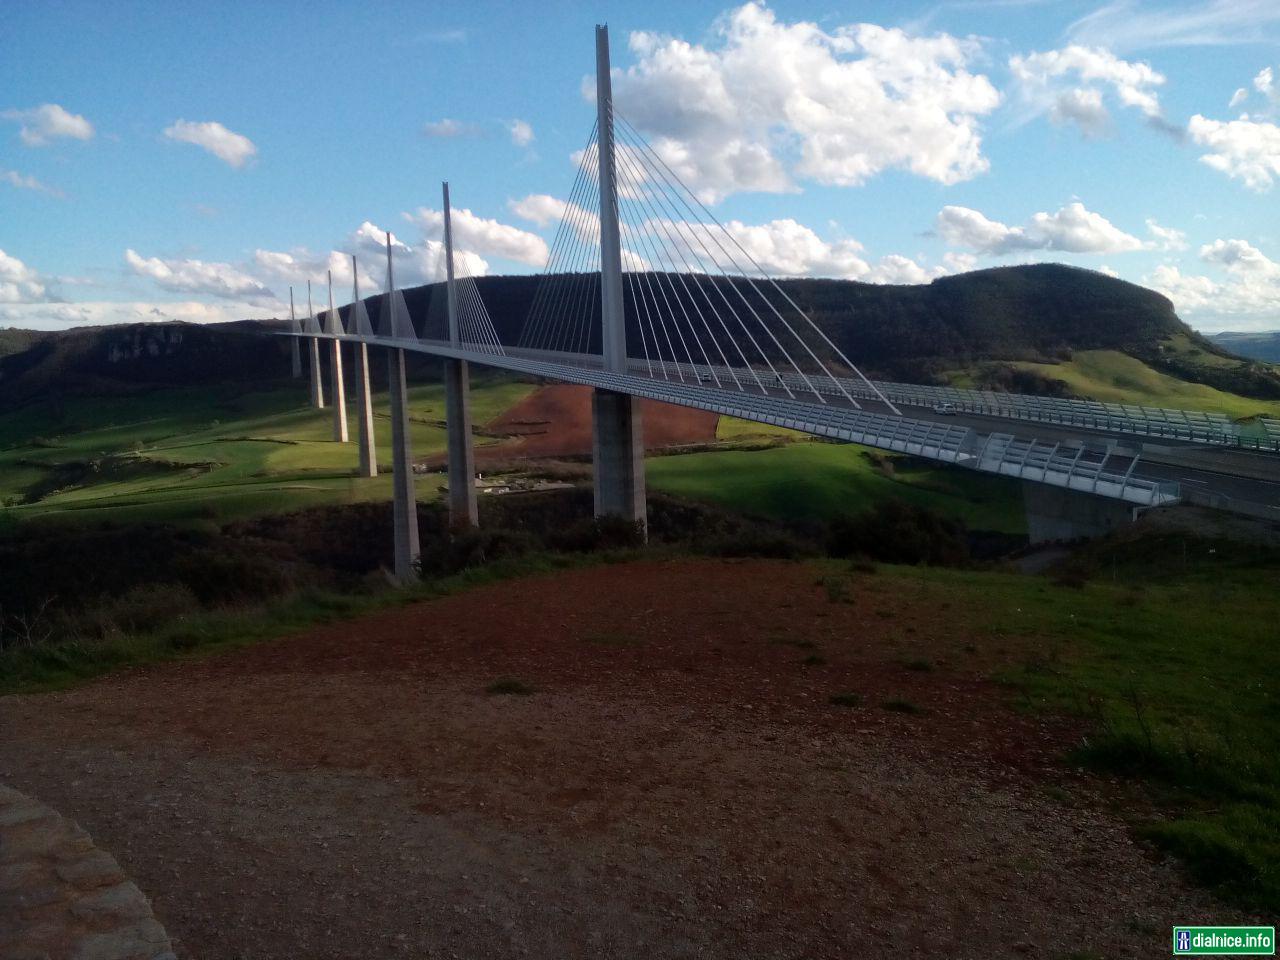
<point>617,430</point>
<point>295,345</point>
<point>313,356</point>
<point>338,389</point>
<point>463,510</point>
<point>404,503</point>
<point>368,451</point>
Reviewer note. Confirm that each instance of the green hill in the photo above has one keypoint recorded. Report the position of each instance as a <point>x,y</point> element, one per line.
<point>1006,328</point>
<point>1257,346</point>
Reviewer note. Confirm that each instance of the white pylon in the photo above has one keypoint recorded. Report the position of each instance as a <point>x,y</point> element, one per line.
<point>317,380</point>
<point>368,455</point>
<point>338,388</point>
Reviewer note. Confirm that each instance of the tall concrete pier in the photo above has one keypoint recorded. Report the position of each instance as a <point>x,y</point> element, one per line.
<point>617,450</point>
<point>404,504</point>
<point>360,324</point>
<point>338,389</point>
<point>313,356</point>
<point>463,511</point>
<point>295,344</point>
<point>617,430</point>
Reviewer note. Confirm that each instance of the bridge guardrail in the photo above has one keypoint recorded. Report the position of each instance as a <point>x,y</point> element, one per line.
<point>1189,425</point>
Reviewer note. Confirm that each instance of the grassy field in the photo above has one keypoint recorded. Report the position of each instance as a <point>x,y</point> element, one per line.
<point>1172,664</point>
<point>1111,376</point>
<point>216,454</point>
<point>207,453</point>
<point>811,480</point>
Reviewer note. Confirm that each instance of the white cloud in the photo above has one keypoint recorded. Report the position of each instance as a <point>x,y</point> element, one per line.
<point>1188,293</point>
<point>18,282</point>
<point>1073,229</point>
<point>1248,298</point>
<point>1244,150</point>
<point>784,248</point>
<point>448,129</point>
<point>770,102</point>
<point>540,208</point>
<point>48,122</point>
<point>232,148</point>
<point>1124,25</point>
<point>957,262</point>
<point>482,236</point>
<point>299,267</point>
<point>61,316</point>
<point>1241,258</point>
<point>1264,83</point>
<point>521,133</point>
<point>1069,83</point>
<point>27,182</point>
<point>1166,238</point>
<point>199,276</point>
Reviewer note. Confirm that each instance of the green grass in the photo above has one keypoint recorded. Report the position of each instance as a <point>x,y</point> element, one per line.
<point>218,454</point>
<point>731,428</point>
<point>817,481</point>
<point>1176,677</point>
<point>1114,377</point>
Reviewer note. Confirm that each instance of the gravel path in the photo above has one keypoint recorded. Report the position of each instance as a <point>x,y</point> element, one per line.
<point>678,784</point>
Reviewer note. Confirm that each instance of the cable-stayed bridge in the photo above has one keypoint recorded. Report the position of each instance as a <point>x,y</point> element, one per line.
<point>647,295</point>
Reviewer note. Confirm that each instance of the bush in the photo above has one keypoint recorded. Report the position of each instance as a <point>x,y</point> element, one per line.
<point>597,533</point>
<point>450,554</point>
<point>755,541</point>
<point>140,610</point>
<point>898,532</point>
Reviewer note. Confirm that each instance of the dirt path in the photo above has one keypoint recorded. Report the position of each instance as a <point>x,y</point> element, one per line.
<point>677,786</point>
<point>555,420</point>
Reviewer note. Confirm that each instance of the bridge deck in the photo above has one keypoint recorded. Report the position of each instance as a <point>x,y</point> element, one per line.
<point>1074,467</point>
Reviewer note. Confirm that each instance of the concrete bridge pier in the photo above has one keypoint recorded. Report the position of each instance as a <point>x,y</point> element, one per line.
<point>404,504</point>
<point>368,452</point>
<point>463,511</point>
<point>1054,513</point>
<point>317,379</point>
<point>338,391</point>
<point>617,449</point>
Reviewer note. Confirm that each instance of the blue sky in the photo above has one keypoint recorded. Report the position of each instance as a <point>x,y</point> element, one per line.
<point>193,160</point>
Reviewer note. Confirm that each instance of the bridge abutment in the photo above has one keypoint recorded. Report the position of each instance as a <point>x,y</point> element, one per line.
<point>463,511</point>
<point>404,504</point>
<point>617,447</point>
<point>368,451</point>
<point>1057,514</point>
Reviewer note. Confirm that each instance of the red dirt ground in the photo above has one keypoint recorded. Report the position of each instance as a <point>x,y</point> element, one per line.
<point>677,785</point>
<point>555,420</point>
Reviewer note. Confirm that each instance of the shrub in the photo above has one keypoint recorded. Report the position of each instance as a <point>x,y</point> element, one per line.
<point>898,532</point>
<point>597,533</point>
<point>140,610</point>
<point>450,554</point>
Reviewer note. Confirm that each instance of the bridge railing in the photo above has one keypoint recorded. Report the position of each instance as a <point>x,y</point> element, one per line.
<point>1073,467</point>
<point>1189,425</point>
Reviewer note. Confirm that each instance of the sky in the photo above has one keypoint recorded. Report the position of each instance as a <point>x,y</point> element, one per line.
<point>194,161</point>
